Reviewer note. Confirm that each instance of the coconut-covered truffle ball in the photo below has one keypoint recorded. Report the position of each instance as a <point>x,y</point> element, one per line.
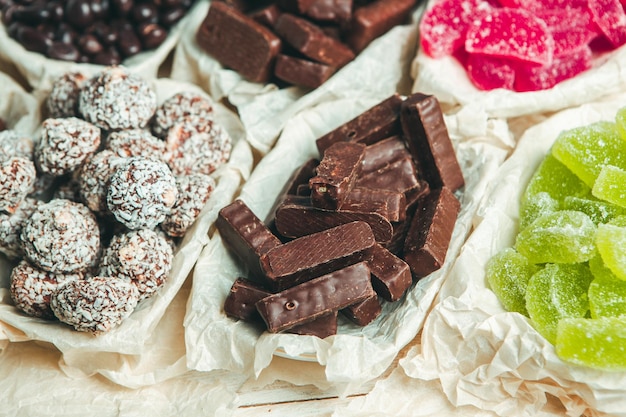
<point>142,256</point>
<point>116,99</point>
<point>93,179</point>
<point>32,287</point>
<point>65,144</point>
<point>136,142</point>
<point>63,98</point>
<point>17,176</point>
<point>13,143</point>
<point>97,304</point>
<point>11,227</point>
<point>141,193</point>
<point>178,107</point>
<point>193,192</point>
<point>61,236</point>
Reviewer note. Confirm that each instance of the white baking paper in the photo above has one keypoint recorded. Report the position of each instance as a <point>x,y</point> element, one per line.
<point>491,359</point>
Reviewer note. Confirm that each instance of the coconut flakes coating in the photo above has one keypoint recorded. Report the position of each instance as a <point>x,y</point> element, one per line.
<point>178,107</point>
<point>17,177</point>
<point>65,144</point>
<point>32,287</point>
<point>142,256</point>
<point>97,304</point>
<point>93,179</point>
<point>193,192</point>
<point>11,227</point>
<point>63,98</point>
<point>116,99</point>
<point>136,142</point>
<point>141,193</point>
<point>13,143</point>
<point>61,236</point>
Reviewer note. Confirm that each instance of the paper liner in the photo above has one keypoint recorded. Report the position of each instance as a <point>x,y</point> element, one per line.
<point>88,352</point>
<point>356,354</point>
<point>495,360</point>
<point>377,72</point>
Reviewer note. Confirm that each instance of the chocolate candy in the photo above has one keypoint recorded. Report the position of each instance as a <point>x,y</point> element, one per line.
<point>384,152</point>
<point>241,300</point>
<point>390,204</point>
<point>429,143</point>
<point>336,11</point>
<point>239,42</point>
<point>365,312</point>
<point>302,72</point>
<point>323,326</point>
<point>391,276</point>
<point>316,254</point>
<point>429,235</point>
<point>317,297</point>
<point>245,234</point>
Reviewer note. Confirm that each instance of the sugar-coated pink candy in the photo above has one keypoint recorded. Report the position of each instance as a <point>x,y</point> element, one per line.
<point>444,25</point>
<point>511,33</point>
<point>561,19</point>
<point>537,5</point>
<point>488,72</point>
<point>567,42</point>
<point>534,78</point>
<point>610,17</point>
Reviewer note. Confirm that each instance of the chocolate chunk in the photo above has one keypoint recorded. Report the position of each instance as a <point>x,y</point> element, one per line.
<point>400,175</point>
<point>336,174</point>
<point>382,153</point>
<point>245,234</point>
<point>239,42</point>
<point>321,327</point>
<point>310,40</point>
<point>427,139</point>
<point>301,176</point>
<point>317,297</point>
<point>316,254</point>
<point>267,16</point>
<point>375,19</point>
<point>430,232</point>
<point>365,312</point>
<point>373,125</point>
<point>337,11</point>
<point>241,300</point>
<point>302,72</point>
<point>296,217</point>
<point>295,6</point>
<point>391,276</point>
<point>390,204</point>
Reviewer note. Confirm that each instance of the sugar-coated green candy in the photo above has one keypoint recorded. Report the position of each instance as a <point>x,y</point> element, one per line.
<point>599,270</point>
<point>535,206</point>
<point>554,178</point>
<point>611,241</point>
<point>560,237</point>
<point>618,221</point>
<point>607,297</point>
<point>595,343</point>
<point>599,211</point>
<point>555,292</point>
<point>508,273</point>
<point>585,150</point>
<point>620,121</point>
<point>611,185</point>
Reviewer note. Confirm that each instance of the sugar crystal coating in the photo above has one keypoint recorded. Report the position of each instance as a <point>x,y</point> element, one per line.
<point>607,297</point>
<point>178,107</point>
<point>93,179</point>
<point>17,176</point>
<point>508,273</point>
<point>136,142</point>
<point>193,192</point>
<point>610,240</point>
<point>13,143</point>
<point>609,185</point>
<point>63,98</point>
<point>11,227</point>
<point>97,304</point>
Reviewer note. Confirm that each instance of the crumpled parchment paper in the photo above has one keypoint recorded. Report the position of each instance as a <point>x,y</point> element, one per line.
<point>485,357</point>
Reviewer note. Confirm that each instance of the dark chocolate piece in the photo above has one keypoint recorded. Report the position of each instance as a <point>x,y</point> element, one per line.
<point>382,153</point>
<point>392,203</point>
<point>241,300</point>
<point>295,6</point>
<point>302,72</point>
<point>373,125</point>
<point>310,40</point>
<point>239,42</point>
<point>427,139</point>
<point>267,16</point>
<point>391,276</point>
<point>245,234</point>
<point>429,235</point>
<point>375,19</point>
<point>336,174</point>
<point>321,327</point>
<point>365,312</point>
<point>315,298</point>
<point>301,176</point>
<point>400,175</point>
<point>336,11</point>
<point>316,254</point>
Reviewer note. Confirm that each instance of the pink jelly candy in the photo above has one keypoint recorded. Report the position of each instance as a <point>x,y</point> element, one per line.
<point>511,33</point>
<point>537,5</point>
<point>610,17</point>
<point>533,78</point>
<point>488,72</point>
<point>443,26</point>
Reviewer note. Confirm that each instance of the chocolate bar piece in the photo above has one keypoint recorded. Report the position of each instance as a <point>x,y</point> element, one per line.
<point>427,138</point>
<point>336,11</point>
<point>302,72</point>
<point>390,204</point>
<point>336,174</point>
<point>296,217</point>
<point>239,42</point>
<point>310,40</point>
<point>321,327</point>
<point>295,6</point>
<point>382,153</point>
<point>375,19</point>
<point>316,254</point>
<point>373,125</point>
<point>400,175</point>
<point>241,300</point>
<point>301,176</point>
<point>317,297</point>
<point>391,276</point>
<point>365,312</point>
<point>245,234</point>
<point>267,16</point>
<point>430,232</point>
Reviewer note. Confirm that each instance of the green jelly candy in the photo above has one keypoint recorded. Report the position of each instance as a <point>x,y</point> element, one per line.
<point>611,241</point>
<point>599,211</point>
<point>620,121</point>
<point>560,237</point>
<point>508,273</point>
<point>555,292</point>
<point>599,270</point>
<point>595,343</point>
<point>585,150</point>
<point>535,206</point>
<point>611,185</point>
<point>556,179</point>
<point>607,297</point>
<point>618,221</point>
